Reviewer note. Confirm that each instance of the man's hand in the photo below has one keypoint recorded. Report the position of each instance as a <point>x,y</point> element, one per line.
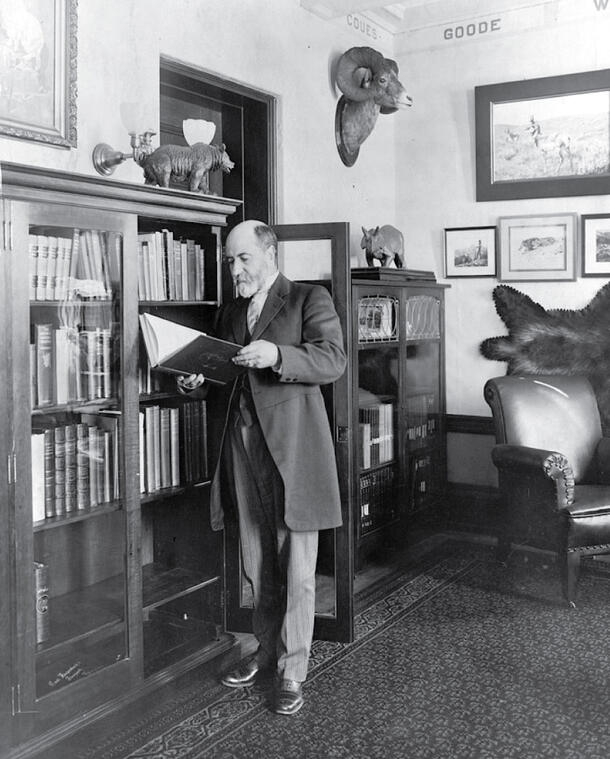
<point>259,354</point>
<point>190,382</point>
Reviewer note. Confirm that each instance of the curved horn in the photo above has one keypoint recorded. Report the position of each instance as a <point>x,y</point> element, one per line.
<point>355,70</point>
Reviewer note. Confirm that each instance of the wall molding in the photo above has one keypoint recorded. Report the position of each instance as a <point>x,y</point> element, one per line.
<point>469,424</point>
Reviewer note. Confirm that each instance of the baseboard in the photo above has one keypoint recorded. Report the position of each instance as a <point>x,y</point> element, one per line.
<point>471,508</point>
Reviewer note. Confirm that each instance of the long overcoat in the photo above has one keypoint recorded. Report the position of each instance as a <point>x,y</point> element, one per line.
<point>301,320</point>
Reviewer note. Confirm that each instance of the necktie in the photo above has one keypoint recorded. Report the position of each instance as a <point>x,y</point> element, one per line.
<point>254,311</point>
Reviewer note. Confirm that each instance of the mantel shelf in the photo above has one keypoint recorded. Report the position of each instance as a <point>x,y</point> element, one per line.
<point>32,183</point>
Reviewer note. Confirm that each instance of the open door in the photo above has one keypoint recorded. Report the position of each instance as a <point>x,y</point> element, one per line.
<point>316,253</point>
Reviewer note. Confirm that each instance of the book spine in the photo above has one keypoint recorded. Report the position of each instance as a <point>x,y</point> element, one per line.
<point>82,467</point>
<point>93,466</point>
<point>70,468</point>
<point>164,447</point>
<point>150,449</point>
<point>49,473</point>
<point>33,376</point>
<point>174,422</point>
<point>59,434</point>
<point>44,364</point>
<point>52,267</point>
<point>41,602</point>
<point>72,282</point>
<point>38,479</point>
<point>62,365</point>
<point>168,252</point>
<point>178,269</point>
<point>33,264</point>
<point>142,451</point>
<point>43,264</point>
<point>106,364</point>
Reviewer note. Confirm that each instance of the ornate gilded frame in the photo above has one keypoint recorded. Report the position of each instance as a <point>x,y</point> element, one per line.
<point>38,54</point>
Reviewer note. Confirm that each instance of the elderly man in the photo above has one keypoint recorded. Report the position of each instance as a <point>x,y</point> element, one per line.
<point>277,460</point>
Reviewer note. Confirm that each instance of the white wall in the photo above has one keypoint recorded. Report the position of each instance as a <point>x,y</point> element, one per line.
<point>271,45</point>
<point>436,173</point>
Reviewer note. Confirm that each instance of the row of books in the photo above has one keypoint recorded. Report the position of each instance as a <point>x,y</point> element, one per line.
<point>74,466</point>
<point>378,503</point>
<point>86,265</point>
<point>376,424</point>
<point>69,364</point>
<point>421,419</point>
<point>170,269</point>
<point>173,445</point>
<point>149,382</point>
<point>420,484</point>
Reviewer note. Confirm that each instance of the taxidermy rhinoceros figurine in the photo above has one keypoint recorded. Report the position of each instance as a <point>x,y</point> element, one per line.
<point>191,164</point>
<point>383,243</point>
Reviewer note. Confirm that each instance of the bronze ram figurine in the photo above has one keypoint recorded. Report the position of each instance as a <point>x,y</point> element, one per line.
<point>370,86</point>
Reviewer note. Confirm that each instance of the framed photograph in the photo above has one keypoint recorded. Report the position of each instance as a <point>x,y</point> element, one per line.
<point>595,235</point>
<point>38,71</point>
<point>470,252</point>
<point>537,248</point>
<point>543,138</point>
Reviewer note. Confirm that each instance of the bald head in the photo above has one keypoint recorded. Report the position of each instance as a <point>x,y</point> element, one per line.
<point>251,253</point>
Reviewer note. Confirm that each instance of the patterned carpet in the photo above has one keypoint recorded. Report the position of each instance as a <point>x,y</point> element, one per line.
<point>463,659</point>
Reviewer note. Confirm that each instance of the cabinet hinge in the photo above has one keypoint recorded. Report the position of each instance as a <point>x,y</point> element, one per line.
<point>342,434</point>
<point>7,234</point>
<point>16,701</point>
<point>12,468</point>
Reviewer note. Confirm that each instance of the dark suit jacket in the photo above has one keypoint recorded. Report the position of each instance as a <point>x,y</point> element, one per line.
<point>301,320</point>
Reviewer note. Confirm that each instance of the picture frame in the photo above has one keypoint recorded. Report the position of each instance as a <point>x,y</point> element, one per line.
<point>538,248</point>
<point>543,138</point>
<point>38,73</point>
<point>595,242</point>
<point>470,251</point>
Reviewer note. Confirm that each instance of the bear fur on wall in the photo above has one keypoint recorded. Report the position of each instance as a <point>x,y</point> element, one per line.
<point>558,341</point>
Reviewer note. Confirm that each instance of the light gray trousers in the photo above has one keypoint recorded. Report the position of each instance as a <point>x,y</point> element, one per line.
<point>279,563</point>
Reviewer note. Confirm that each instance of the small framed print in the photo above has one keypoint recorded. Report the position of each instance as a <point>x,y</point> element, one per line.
<point>595,232</point>
<point>470,252</point>
<point>537,248</point>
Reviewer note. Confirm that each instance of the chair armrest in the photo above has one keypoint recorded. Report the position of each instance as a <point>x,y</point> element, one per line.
<point>602,460</point>
<point>531,463</point>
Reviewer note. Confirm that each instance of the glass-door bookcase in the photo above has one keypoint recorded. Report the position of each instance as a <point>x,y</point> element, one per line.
<point>398,397</point>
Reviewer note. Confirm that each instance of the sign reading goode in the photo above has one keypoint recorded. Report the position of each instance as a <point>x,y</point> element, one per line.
<point>473,29</point>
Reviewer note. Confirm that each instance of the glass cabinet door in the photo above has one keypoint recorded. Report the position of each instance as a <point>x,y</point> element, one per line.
<point>423,399</point>
<point>378,408</point>
<point>69,500</point>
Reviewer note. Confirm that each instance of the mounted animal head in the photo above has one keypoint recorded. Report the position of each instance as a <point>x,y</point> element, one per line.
<point>370,86</point>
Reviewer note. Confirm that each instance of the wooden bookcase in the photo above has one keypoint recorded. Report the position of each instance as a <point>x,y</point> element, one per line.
<point>113,580</point>
<point>398,409</point>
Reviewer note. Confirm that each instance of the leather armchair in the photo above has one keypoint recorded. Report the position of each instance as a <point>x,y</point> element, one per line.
<point>553,467</point>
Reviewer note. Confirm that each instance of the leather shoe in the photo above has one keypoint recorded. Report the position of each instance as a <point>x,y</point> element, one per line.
<point>288,697</point>
<point>243,675</point>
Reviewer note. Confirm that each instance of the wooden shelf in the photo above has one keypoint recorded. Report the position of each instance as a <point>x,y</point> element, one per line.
<point>78,516</point>
<point>161,585</point>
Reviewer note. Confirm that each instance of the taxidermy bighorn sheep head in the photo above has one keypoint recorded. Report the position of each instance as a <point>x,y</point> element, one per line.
<point>370,86</point>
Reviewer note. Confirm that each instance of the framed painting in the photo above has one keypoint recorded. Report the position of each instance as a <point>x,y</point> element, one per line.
<point>38,71</point>
<point>470,252</point>
<point>537,248</point>
<point>542,138</point>
<point>595,235</point>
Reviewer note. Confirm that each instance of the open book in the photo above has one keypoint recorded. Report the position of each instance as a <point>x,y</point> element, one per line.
<point>172,347</point>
